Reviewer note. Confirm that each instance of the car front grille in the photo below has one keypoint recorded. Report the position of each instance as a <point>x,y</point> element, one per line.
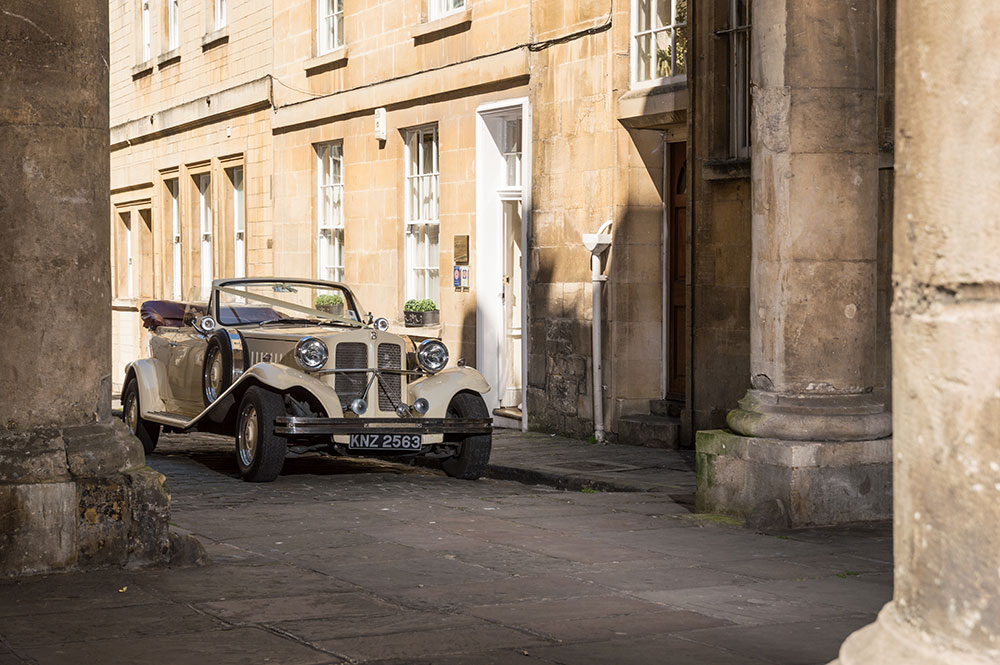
<point>350,385</point>
<point>389,389</point>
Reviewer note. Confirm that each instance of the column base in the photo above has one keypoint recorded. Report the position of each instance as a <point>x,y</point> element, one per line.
<point>79,497</point>
<point>773,483</point>
<point>804,417</point>
<point>891,640</point>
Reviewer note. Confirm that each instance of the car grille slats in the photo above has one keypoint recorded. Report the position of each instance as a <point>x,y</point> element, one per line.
<point>390,387</point>
<point>350,385</point>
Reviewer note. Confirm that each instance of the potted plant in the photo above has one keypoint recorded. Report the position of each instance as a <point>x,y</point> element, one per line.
<point>331,303</point>
<point>421,313</point>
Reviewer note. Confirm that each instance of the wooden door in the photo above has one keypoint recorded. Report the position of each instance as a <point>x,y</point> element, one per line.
<point>677,273</point>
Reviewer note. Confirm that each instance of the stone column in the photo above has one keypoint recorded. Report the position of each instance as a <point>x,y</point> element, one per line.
<point>72,488</point>
<point>946,343</point>
<point>808,442</point>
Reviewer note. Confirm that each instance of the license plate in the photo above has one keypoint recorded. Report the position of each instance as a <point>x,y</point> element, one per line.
<point>385,442</point>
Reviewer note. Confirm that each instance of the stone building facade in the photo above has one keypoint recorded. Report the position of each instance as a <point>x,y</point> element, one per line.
<point>391,144</point>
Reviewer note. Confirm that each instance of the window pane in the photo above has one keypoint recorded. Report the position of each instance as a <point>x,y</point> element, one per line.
<point>681,11</point>
<point>428,153</point>
<point>663,13</point>
<point>664,54</point>
<point>643,14</point>
<point>643,57</point>
<point>680,63</point>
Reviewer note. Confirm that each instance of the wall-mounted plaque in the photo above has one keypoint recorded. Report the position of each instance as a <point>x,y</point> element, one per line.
<point>462,250</point>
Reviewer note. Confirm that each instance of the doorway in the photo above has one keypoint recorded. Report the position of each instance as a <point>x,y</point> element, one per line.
<point>675,271</point>
<point>502,193</point>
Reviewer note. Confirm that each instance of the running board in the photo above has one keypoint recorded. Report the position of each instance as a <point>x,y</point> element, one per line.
<point>169,419</point>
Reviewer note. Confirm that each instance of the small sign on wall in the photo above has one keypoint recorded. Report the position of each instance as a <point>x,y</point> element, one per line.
<point>460,278</point>
<point>462,250</point>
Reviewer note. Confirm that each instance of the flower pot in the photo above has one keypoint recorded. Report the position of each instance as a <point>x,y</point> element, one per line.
<point>417,319</point>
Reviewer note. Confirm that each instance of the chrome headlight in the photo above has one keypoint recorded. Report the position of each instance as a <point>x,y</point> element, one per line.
<point>311,353</point>
<point>432,355</point>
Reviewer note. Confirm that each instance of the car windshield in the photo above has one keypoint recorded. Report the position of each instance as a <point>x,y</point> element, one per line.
<point>274,303</point>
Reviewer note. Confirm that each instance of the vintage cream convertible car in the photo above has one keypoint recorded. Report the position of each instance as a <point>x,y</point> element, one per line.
<point>292,364</point>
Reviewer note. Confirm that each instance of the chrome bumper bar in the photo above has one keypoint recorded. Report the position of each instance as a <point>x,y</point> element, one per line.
<point>307,426</point>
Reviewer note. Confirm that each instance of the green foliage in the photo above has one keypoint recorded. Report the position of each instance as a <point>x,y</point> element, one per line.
<point>329,300</point>
<point>425,305</point>
<point>847,573</point>
<point>590,490</point>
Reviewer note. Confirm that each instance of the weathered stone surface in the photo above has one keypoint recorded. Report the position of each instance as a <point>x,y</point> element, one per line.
<point>34,455</point>
<point>38,529</point>
<point>101,449</point>
<point>814,482</point>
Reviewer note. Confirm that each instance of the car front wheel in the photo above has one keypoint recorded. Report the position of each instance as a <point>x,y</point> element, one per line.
<point>474,451</point>
<point>260,453</point>
<point>148,433</point>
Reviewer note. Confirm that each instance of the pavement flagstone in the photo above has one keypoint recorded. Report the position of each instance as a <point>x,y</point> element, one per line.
<point>568,553</point>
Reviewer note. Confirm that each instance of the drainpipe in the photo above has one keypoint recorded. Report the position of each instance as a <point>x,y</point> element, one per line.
<point>597,244</point>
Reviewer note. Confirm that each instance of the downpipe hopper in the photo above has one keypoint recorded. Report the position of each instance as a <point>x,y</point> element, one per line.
<point>597,244</point>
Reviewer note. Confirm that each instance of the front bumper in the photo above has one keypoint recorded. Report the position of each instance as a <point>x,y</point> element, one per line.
<point>288,425</point>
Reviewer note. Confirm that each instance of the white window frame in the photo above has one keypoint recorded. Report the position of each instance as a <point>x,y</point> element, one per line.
<point>205,225</point>
<point>329,25</point>
<point>422,197</point>
<point>440,8</point>
<point>173,186</point>
<point>236,176</point>
<point>173,24</point>
<point>220,17</point>
<point>651,32</point>
<point>146,30</point>
<point>330,211</point>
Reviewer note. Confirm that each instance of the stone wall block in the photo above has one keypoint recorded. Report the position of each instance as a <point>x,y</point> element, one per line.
<point>149,504</point>
<point>101,449</point>
<point>102,521</point>
<point>37,527</point>
<point>833,218</point>
<point>949,469</point>
<point>36,455</point>
<point>832,120</point>
<point>831,44</point>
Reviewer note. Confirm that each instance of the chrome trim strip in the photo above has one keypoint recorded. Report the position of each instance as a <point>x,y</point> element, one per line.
<point>293,425</point>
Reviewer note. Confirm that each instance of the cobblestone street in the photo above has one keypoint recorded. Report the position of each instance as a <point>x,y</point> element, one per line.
<point>363,562</point>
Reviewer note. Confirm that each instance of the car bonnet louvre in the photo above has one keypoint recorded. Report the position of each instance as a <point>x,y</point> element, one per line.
<point>390,385</point>
<point>350,385</point>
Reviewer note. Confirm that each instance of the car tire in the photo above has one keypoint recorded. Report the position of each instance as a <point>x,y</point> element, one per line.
<point>148,433</point>
<point>260,453</point>
<point>474,451</point>
<point>217,368</point>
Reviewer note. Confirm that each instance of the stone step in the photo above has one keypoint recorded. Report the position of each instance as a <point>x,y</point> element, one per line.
<point>667,408</point>
<point>649,430</point>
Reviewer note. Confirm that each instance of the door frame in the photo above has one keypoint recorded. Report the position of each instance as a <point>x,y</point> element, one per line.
<point>489,252</point>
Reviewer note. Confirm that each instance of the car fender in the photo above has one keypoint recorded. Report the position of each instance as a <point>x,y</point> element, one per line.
<point>438,389</point>
<point>151,376</point>
<point>282,378</point>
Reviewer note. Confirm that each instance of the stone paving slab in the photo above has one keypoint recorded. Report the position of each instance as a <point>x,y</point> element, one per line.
<point>360,561</point>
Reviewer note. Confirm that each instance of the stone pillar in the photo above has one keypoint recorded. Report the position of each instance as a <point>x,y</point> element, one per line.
<point>946,343</point>
<point>73,491</point>
<point>809,443</point>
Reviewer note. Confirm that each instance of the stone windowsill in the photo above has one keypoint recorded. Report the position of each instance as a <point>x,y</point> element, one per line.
<point>142,69</point>
<point>666,103</point>
<point>212,39</point>
<point>125,304</point>
<point>169,58</point>
<point>335,58</point>
<point>725,169</point>
<point>418,331</point>
<point>431,29</point>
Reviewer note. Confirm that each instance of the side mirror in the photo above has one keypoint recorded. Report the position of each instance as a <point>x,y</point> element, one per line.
<point>205,325</point>
<point>381,324</point>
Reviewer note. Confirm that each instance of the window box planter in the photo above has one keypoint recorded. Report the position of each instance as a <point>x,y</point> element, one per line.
<point>418,319</point>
